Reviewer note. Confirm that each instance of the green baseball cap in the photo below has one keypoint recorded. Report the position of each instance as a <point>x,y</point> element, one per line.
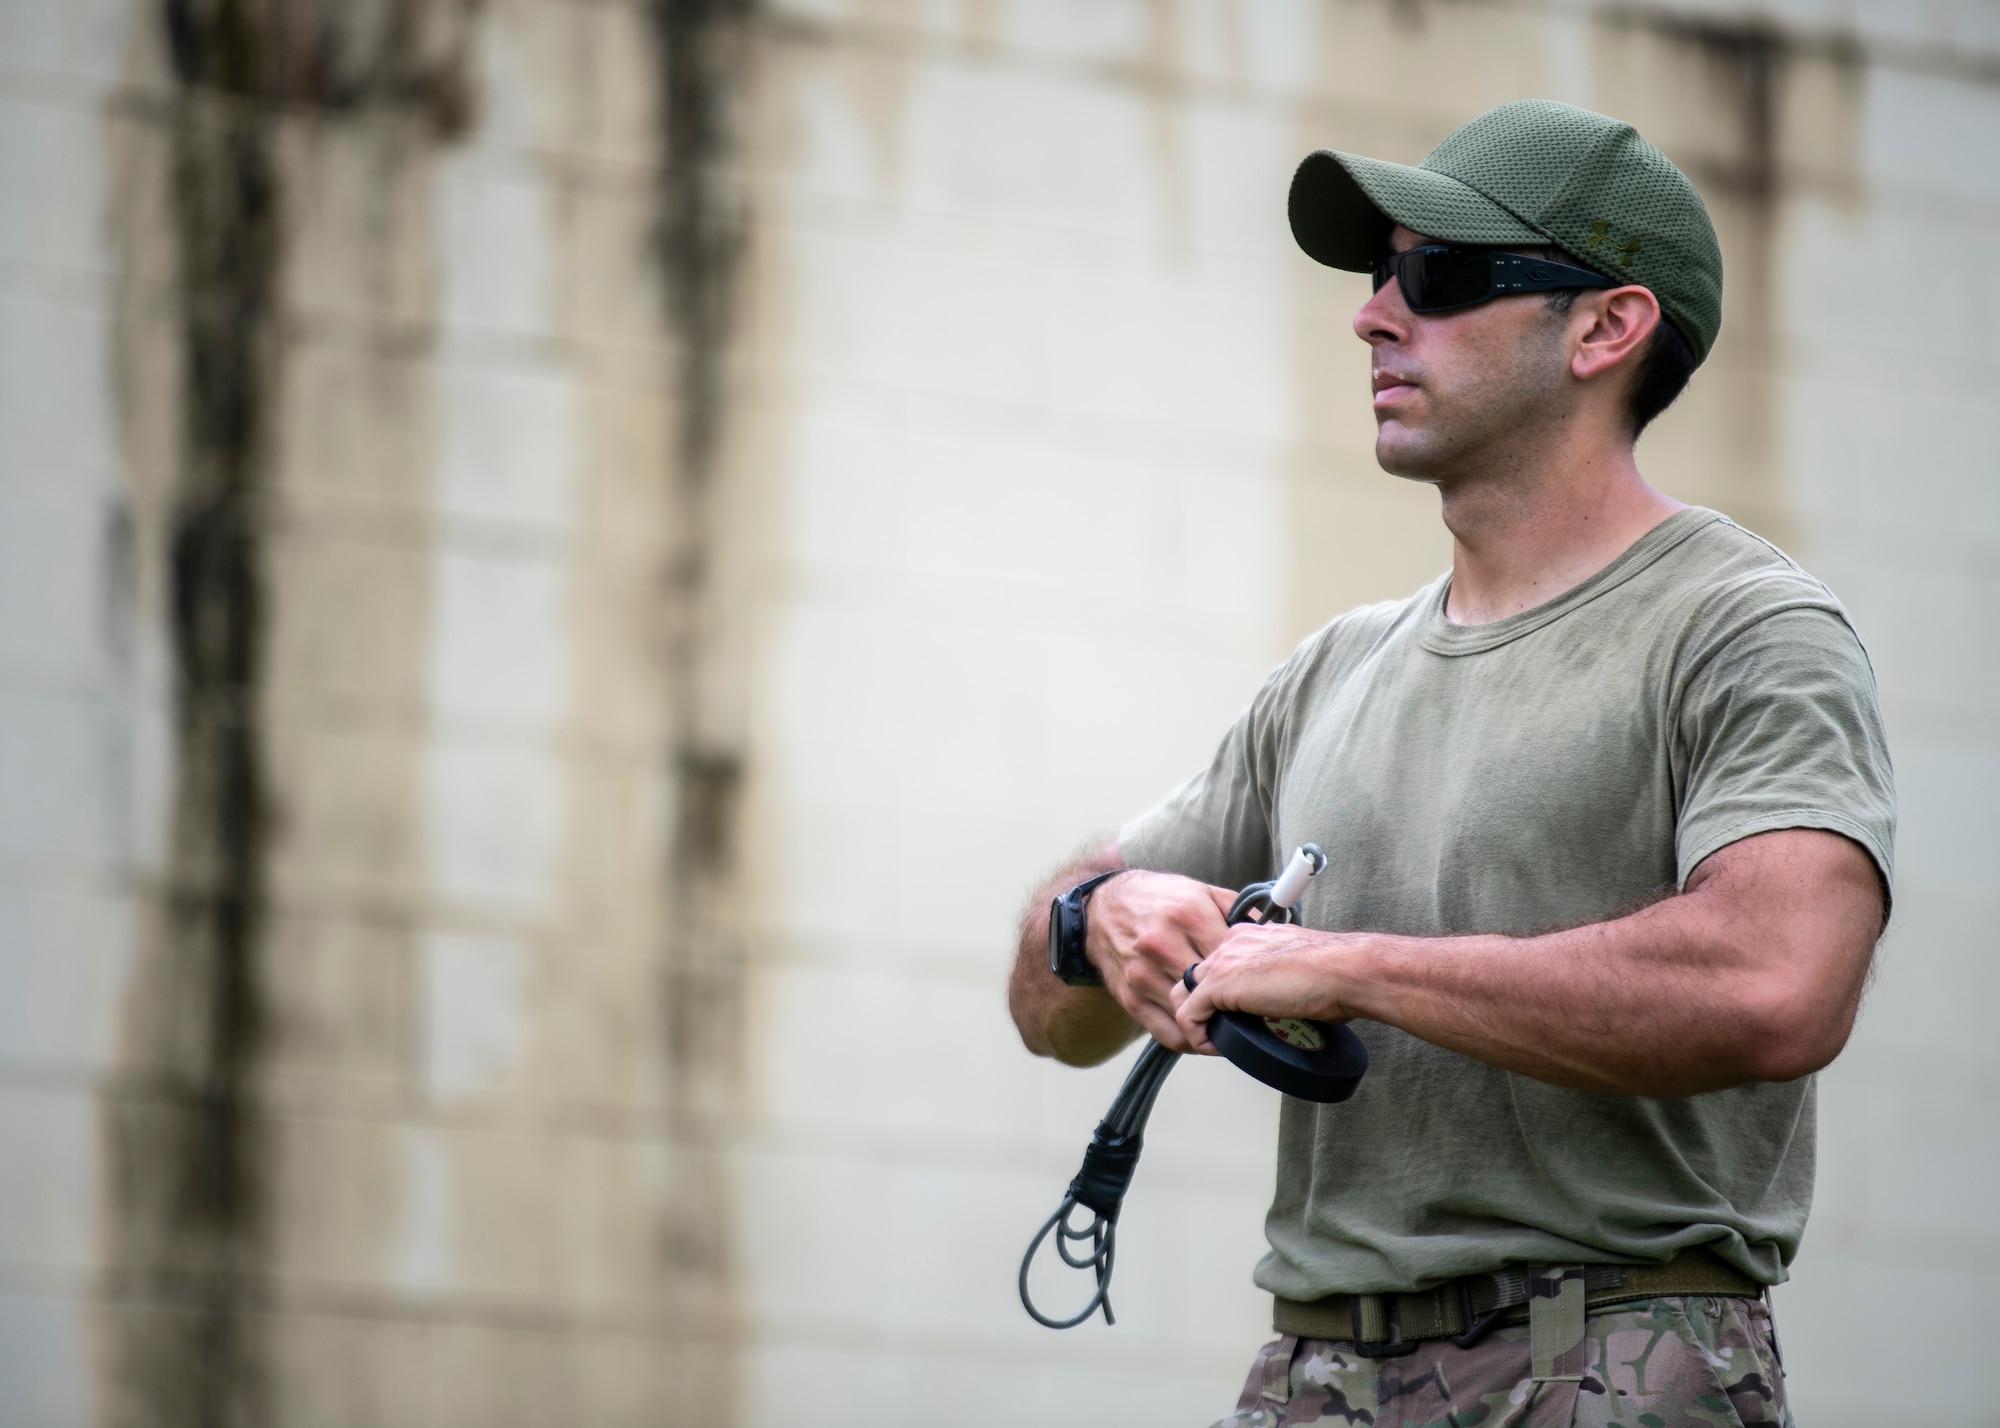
<point>1537,173</point>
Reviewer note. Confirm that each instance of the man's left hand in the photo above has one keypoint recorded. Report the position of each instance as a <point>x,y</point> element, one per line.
<point>1267,971</point>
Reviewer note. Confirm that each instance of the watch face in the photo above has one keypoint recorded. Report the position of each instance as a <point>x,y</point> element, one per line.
<point>1055,937</point>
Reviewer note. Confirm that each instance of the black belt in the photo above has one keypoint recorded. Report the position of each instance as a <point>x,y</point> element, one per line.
<point>1467,1309</point>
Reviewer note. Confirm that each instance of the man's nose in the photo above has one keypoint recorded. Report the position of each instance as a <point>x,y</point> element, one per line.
<point>1385,317</point>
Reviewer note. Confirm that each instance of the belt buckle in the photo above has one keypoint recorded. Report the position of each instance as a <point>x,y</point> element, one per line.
<point>1381,1348</point>
<point>1475,1331</point>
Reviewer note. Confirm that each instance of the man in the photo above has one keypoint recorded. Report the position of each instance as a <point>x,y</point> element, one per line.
<point>1609,821</point>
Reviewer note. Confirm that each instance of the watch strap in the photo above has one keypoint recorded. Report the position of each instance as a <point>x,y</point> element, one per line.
<point>1068,931</point>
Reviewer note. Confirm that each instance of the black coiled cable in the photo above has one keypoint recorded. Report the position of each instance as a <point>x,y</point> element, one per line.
<point>1113,1155</point>
<point>1108,1163</point>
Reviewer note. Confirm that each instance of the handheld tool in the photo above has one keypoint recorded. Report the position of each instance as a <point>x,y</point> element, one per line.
<point>1313,1060</point>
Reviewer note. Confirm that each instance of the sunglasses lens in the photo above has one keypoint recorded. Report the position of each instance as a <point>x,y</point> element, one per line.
<point>1439,278</point>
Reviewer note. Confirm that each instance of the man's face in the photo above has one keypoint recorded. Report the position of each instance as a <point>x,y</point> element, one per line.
<point>1451,388</point>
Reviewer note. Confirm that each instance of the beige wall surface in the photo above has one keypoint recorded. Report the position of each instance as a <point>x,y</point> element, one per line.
<point>717,498</point>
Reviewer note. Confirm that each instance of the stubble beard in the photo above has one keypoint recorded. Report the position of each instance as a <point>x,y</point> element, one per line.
<point>1477,429</point>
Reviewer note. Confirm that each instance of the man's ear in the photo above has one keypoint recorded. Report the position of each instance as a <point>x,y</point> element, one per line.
<point>1614,325</point>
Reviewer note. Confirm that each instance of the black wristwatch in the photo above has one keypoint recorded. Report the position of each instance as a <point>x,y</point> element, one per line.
<point>1067,931</point>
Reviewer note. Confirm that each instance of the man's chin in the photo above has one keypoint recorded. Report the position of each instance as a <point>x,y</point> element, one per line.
<point>1402,453</point>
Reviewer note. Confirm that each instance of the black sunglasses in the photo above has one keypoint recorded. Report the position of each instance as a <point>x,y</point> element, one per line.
<point>1439,277</point>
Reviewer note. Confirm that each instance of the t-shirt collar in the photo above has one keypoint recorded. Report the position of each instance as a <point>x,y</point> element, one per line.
<point>1441,636</point>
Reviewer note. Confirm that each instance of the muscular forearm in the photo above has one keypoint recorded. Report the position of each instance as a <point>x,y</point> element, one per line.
<point>1753,974</point>
<point>1079,1026</point>
<point>1648,1005</point>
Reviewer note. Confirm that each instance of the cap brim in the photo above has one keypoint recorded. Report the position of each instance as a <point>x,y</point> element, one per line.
<point>1343,207</point>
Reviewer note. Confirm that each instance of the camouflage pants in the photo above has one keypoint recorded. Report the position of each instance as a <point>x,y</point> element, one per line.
<point>1659,1363</point>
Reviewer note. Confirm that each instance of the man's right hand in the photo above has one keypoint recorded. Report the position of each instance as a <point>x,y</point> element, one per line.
<point>1145,928</point>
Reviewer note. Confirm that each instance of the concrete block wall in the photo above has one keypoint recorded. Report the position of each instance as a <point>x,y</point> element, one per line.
<point>455,1126</point>
<point>1038,444</point>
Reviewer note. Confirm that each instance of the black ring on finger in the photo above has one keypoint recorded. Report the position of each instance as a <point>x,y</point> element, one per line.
<point>1187,977</point>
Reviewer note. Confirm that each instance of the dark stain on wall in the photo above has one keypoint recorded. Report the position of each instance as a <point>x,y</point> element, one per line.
<point>1745,63</point>
<point>189,1211</point>
<point>711,786</point>
<point>1746,58</point>
<point>1749,63</point>
<point>1787,101</point>
<point>1409,16</point>
<point>188,1176</point>
<point>705,51</point>
<point>329,57</point>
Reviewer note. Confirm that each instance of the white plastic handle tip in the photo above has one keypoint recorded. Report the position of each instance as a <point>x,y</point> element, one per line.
<point>1292,881</point>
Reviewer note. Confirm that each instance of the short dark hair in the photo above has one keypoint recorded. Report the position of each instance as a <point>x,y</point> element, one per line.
<point>1663,371</point>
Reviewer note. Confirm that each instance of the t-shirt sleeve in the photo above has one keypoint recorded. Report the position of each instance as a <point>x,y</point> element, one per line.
<point>1217,825</point>
<point>1779,727</point>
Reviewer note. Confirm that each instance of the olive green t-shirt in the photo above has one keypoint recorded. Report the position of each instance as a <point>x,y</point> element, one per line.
<point>1542,771</point>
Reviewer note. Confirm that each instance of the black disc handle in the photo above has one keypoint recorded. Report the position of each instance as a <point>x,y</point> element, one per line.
<point>1320,1061</point>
